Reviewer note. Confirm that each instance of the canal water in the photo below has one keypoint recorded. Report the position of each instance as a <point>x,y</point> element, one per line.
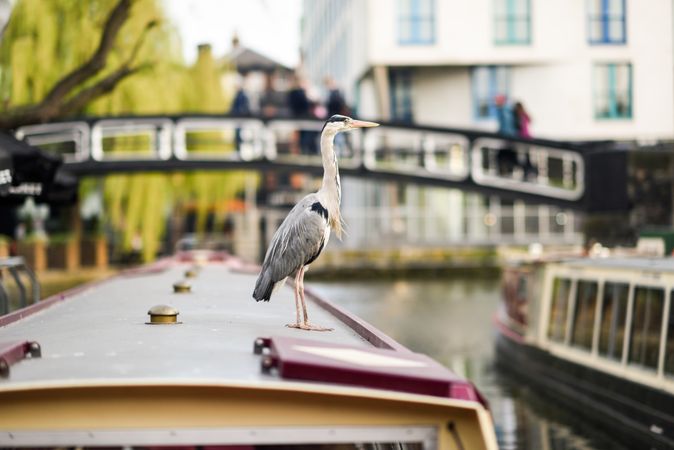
<point>450,320</point>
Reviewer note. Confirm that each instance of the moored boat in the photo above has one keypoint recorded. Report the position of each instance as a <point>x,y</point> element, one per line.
<point>211,367</point>
<point>595,335</point>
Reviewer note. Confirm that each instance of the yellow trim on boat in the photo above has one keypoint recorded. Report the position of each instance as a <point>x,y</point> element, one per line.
<point>130,404</point>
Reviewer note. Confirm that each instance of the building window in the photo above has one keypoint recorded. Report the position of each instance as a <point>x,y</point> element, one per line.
<point>416,22</point>
<point>646,325</point>
<point>583,318</point>
<point>606,22</point>
<point>612,320</point>
<point>558,309</point>
<point>613,91</point>
<point>488,81</point>
<point>400,82</point>
<point>512,21</point>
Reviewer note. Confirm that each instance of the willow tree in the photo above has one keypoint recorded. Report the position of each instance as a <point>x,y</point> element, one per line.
<point>139,204</point>
<point>62,58</point>
<point>58,56</point>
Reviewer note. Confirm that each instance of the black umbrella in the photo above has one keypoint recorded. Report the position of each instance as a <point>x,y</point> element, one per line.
<point>63,190</point>
<point>26,171</point>
<point>6,171</point>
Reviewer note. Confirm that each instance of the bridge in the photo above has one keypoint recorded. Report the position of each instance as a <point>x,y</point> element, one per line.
<point>563,174</point>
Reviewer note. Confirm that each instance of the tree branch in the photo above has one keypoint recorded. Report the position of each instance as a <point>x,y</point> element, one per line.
<point>96,63</point>
<point>55,105</point>
<point>107,84</point>
<point>102,87</point>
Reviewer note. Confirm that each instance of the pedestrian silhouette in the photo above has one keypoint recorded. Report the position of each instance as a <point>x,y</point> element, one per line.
<point>522,121</point>
<point>335,103</point>
<point>301,108</point>
<point>272,102</point>
<point>240,107</point>
<point>506,157</point>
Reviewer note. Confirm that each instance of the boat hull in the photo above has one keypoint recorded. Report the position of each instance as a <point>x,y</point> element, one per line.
<point>636,413</point>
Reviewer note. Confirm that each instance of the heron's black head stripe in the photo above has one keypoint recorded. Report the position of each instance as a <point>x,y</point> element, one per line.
<point>320,209</point>
<point>337,118</point>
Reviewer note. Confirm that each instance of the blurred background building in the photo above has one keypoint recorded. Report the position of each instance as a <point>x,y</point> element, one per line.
<point>585,70</point>
<point>257,74</point>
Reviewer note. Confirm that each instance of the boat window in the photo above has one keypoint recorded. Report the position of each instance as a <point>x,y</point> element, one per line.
<point>669,344</point>
<point>612,320</point>
<point>560,300</point>
<point>583,319</point>
<point>646,326</point>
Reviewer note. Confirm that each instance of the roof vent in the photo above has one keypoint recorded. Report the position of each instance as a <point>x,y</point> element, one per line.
<point>182,286</point>
<point>163,315</point>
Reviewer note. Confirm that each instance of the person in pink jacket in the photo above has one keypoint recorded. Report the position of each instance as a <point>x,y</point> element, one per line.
<point>522,121</point>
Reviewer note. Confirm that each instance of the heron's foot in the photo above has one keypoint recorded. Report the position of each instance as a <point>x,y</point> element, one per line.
<point>310,327</point>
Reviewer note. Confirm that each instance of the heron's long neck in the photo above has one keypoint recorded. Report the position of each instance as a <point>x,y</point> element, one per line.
<point>331,188</point>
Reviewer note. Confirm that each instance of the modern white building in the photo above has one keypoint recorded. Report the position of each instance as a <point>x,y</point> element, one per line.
<point>584,69</point>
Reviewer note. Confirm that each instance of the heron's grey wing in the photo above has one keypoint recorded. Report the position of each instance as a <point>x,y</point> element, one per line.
<point>298,239</point>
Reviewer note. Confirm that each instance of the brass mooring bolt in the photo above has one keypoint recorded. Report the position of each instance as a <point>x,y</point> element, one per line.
<point>182,286</point>
<point>163,315</point>
<point>191,273</point>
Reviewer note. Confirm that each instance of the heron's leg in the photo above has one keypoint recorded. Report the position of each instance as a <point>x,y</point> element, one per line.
<point>301,291</point>
<point>298,306</point>
<point>305,324</point>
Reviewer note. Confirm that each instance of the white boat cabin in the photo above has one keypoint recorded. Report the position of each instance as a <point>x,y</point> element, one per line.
<point>612,314</point>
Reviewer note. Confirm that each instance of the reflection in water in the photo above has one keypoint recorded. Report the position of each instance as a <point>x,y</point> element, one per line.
<point>450,320</point>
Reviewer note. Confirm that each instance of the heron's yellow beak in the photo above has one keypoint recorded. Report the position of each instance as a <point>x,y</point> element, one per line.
<point>363,124</point>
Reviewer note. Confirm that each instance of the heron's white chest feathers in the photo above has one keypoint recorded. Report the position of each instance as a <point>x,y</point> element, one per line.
<point>326,236</point>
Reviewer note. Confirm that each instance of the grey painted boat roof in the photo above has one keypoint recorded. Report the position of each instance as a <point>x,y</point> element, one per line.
<point>629,263</point>
<point>100,334</point>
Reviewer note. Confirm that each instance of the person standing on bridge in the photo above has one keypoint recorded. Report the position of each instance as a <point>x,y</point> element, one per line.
<point>301,108</point>
<point>522,121</point>
<point>505,116</point>
<point>240,107</point>
<point>506,157</point>
<point>336,104</point>
<point>240,104</point>
<point>272,102</point>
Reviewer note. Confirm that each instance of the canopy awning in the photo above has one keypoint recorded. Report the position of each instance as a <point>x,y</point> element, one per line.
<point>26,171</point>
<point>6,171</point>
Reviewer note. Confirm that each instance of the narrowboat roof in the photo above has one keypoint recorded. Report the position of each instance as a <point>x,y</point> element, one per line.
<point>629,263</point>
<point>99,334</point>
<point>230,373</point>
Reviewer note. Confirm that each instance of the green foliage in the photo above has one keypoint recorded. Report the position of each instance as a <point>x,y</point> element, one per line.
<point>205,88</point>
<point>46,39</point>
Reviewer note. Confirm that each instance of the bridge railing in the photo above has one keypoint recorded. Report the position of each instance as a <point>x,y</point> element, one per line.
<point>419,152</point>
<point>71,140</point>
<point>528,167</point>
<point>549,169</point>
<point>121,139</point>
<point>219,139</point>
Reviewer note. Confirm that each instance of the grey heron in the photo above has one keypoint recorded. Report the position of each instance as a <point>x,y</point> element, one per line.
<point>306,229</point>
